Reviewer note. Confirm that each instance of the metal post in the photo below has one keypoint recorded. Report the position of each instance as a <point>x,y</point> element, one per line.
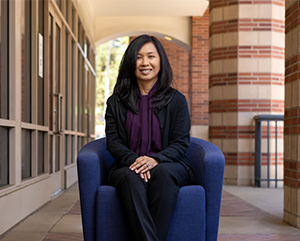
<point>258,138</point>
<point>276,154</point>
<point>258,153</point>
<point>268,141</point>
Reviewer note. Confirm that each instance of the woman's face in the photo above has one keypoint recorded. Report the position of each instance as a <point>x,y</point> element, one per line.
<point>147,64</point>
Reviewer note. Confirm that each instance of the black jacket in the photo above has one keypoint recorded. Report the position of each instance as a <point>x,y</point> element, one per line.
<point>174,121</point>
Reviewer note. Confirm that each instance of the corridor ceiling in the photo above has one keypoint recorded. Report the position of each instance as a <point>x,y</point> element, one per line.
<point>115,18</point>
<point>148,8</point>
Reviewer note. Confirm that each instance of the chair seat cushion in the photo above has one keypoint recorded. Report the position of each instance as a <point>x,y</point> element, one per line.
<point>187,223</point>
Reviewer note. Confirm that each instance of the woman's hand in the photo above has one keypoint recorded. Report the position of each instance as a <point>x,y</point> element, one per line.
<point>146,176</point>
<point>143,165</point>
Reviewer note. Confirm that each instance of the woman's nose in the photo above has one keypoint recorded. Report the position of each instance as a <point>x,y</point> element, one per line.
<point>145,61</point>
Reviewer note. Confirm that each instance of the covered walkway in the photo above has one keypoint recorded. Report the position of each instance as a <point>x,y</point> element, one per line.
<point>247,214</point>
<point>233,59</point>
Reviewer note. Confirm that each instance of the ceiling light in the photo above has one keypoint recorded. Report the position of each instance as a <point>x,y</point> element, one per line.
<point>168,38</point>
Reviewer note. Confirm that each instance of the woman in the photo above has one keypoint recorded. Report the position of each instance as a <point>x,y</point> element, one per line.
<point>147,130</point>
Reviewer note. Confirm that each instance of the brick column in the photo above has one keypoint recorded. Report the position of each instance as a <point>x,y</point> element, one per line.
<point>246,78</point>
<point>292,115</point>
<point>200,75</point>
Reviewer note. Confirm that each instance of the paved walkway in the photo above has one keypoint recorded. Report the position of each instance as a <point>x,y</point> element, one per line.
<point>247,214</point>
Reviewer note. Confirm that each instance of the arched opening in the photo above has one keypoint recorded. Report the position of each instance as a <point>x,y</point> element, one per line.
<point>179,55</point>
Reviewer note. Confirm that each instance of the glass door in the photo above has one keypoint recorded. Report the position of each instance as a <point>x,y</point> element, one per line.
<point>55,101</point>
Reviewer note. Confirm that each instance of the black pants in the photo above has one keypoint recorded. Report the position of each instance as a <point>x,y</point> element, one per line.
<point>149,206</point>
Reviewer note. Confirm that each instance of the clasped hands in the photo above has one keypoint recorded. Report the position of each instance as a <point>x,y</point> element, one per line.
<point>142,166</point>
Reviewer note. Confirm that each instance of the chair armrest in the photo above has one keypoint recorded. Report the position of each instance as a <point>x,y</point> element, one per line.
<point>208,164</point>
<point>92,172</point>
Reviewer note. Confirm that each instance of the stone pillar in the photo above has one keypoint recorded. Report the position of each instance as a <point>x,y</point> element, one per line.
<point>246,78</point>
<point>292,115</point>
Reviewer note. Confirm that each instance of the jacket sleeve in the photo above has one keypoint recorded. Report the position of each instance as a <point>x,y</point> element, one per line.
<point>178,133</point>
<point>114,130</point>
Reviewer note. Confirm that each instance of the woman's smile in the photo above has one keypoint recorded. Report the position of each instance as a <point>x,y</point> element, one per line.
<point>146,71</point>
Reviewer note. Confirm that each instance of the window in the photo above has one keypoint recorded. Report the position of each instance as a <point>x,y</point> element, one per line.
<point>85,104</point>
<point>41,152</point>
<point>72,149</point>
<point>73,18</point>
<point>26,153</point>
<point>57,153</point>
<point>67,84</point>
<point>79,143</point>
<point>4,94</point>
<point>79,37</point>
<point>93,58</point>
<point>74,48</point>
<point>4,156</point>
<point>50,86</point>
<point>88,49</point>
<point>50,154</point>
<point>26,60</point>
<point>40,83</point>
<point>58,3</point>
<point>4,83</point>
<point>67,11</point>
<point>79,92</point>
<point>70,47</point>
<point>67,149</point>
<point>26,88</point>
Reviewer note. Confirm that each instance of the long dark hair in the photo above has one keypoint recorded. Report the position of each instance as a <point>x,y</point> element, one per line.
<point>126,87</point>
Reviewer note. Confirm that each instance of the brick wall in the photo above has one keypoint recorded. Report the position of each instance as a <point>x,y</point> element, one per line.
<point>179,60</point>
<point>200,69</point>
<point>292,115</point>
<point>191,73</point>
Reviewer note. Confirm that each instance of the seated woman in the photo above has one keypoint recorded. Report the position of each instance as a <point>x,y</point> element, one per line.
<point>148,133</point>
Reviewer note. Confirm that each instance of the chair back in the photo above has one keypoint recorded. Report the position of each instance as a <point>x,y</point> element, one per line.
<point>104,155</point>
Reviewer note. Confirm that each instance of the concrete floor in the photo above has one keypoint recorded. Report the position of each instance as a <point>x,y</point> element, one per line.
<point>59,217</point>
<point>247,213</point>
<point>268,199</point>
<point>251,213</point>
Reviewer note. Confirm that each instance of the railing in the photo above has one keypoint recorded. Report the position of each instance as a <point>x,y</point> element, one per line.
<point>258,153</point>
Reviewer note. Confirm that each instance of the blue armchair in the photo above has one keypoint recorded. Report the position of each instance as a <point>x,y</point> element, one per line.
<point>197,211</point>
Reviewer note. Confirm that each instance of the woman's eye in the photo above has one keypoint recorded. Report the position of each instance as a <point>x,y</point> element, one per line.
<point>139,57</point>
<point>151,56</point>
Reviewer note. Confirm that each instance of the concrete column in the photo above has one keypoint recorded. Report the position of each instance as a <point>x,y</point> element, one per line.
<point>246,78</point>
<point>292,115</point>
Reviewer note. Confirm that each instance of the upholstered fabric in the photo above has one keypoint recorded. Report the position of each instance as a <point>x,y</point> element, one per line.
<point>196,215</point>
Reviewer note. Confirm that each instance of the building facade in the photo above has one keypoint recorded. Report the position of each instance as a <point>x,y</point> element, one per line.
<point>47,102</point>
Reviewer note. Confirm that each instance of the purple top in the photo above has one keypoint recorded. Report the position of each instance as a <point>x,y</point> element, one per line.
<point>142,129</point>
